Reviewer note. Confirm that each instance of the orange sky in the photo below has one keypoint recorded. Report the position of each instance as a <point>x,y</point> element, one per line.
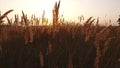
<point>71,9</point>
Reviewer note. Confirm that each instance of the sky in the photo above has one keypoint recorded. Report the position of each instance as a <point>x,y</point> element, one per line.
<point>70,9</point>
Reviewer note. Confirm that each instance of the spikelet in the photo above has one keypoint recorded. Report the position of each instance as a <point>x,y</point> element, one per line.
<point>88,30</point>
<point>88,34</point>
<point>96,64</point>
<point>4,15</point>
<point>22,21</point>
<point>87,22</point>
<point>56,13</point>
<point>97,23</point>
<point>49,48</point>
<point>103,33</point>
<point>41,59</point>
<point>28,35</point>
<point>25,19</point>
<point>73,32</point>
<point>16,20</point>
<point>9,22</point>
<point>106,44</point>
<point>91,22</point>
<point>31,35</point>
<point>101,36</point>
<point>96,26</point>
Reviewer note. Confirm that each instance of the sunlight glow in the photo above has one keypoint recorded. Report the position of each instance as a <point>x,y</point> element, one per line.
<point>44,5</point>
<point>70,9</point>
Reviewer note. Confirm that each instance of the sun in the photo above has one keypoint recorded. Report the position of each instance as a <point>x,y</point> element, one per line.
<point>45,5</point>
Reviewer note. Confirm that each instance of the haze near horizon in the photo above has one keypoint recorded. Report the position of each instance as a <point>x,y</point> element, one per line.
<point>70,9</point>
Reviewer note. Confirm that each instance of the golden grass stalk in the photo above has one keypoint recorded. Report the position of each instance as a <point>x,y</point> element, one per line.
<point>49,48</point>
<point>28,35</point>
<point>88,20</point>
<point>96,26</point>
<point>25,19</point>
<point>88,28</point>
<point>41,59</point>
<point>22,21</point>
<point>80,18</point>
<point>106,44</point>
<point>9,21</point>
<point>31,35</point>
<point>16,20</point>
<point>97,21</point>
<point>4,15</point>
<point>101,36</point>
<point>56,13</point>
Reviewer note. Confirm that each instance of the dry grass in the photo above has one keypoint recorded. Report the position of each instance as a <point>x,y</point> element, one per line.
<point>73,44</point>
<point>61,45</point>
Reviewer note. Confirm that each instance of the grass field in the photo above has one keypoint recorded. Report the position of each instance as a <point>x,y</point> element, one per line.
<point>65,46</point>
<point>25,43</point>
